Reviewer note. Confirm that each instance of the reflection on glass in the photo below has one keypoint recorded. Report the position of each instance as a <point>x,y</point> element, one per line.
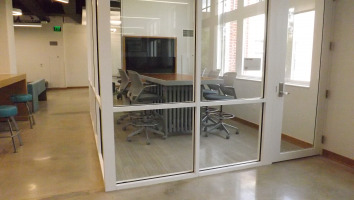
<point>230,134</point>
<point>156,39</point>
<point>301,75</point>
<point>233,43</point>
<point>154,142</point>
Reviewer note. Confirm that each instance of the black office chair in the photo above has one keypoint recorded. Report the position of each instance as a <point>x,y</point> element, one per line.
<point>228,93</point>
<point>147,121</point>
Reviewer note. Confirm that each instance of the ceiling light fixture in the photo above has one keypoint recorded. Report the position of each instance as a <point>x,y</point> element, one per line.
<point>172,2</point>
<point>16,12</point>
<point>116,22</point>
<point>62,1</point>
<point>35,25</point>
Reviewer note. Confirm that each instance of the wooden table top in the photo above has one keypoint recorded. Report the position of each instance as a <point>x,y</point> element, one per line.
<point>177,79</point>
<point>8,79</point>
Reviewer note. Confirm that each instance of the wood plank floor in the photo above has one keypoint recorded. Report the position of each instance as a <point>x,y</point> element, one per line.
<point>136,160</point>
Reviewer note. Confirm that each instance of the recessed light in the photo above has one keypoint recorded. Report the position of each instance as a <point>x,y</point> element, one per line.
<point>36,25</point>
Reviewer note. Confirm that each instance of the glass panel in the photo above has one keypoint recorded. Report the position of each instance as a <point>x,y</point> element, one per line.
<point>233,52</point>
<point>302,75</point>
<point>153,143</point>
<point>300,47</point>
<point>230,134</point>
<point>157,40</point>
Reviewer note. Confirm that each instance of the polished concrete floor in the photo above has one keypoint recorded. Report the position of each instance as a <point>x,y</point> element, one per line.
<point>58,155</point>
<point>59,161</point>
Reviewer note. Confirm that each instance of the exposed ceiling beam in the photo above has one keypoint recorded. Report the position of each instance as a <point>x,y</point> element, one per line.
<point>36,9</point>
<point>70,11</point>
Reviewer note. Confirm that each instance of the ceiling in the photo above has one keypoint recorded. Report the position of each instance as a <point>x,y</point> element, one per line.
<point>41,10</point>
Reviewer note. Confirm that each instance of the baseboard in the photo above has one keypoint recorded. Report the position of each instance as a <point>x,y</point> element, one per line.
<point>68,88</point>
<point>248,123</point>
<point>296,141</point>
<point>338,158</point>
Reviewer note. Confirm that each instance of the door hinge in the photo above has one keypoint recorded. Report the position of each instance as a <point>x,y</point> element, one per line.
<point>323,139</point>
<point>331,46</point>
<point>327,94</point>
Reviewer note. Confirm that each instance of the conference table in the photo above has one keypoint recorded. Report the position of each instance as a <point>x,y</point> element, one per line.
<point>176,88</point>
<point>11,84</point>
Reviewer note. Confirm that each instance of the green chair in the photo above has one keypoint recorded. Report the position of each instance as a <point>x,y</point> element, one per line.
<point>8,112</point>
<point>25,98</point>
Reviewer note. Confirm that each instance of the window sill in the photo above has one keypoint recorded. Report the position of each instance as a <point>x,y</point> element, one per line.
<point>249,78</point>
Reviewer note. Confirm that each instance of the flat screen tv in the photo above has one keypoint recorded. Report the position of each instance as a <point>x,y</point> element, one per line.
<point>149,54</point>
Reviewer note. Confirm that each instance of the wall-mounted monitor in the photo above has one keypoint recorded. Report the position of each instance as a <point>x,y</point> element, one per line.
<point>149,54</point>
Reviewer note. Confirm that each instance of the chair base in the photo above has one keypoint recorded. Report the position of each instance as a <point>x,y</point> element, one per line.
<point>146,130</point>
<point>11,122</point>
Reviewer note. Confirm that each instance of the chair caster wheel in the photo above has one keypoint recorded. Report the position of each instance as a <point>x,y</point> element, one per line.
<point>227,137</point>
<point>237,132</point>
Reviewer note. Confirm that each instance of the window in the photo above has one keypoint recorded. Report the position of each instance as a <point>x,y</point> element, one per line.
<point>206,5</point>
<point>300,39</point>
<point>251,2</point>
<point>227,6</point>
<point>253,46</point>
<point>228,51</point>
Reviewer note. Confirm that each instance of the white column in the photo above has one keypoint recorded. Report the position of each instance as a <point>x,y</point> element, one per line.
<point>7,39</point>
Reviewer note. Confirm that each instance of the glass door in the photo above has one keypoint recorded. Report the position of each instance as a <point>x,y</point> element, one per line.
<point>298,80</point>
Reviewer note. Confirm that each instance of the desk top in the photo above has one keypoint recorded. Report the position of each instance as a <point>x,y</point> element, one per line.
<point>8,79</point>
<point>177,79</point>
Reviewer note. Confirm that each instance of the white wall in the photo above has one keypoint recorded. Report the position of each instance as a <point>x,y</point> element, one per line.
<point>339,128</point>
<point>75,46</point>
<point>171,20</point>
<point>7,40</point>
<point>62,66</point>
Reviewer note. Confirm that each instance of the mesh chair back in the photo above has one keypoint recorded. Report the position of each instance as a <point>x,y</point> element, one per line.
<point>228,91</point>
<point>214,73</point>
<point>124,80</point>
<point>136,86</point>
<point>229,78</point>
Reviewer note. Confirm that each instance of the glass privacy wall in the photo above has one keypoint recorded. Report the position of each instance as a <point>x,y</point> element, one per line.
<point>233,43</point>
<point>233,52</point>
<point>302,71</point>
<point>156,41</point>
<point>152,143</point>
<point>230,134</point>
<point>153,62</point>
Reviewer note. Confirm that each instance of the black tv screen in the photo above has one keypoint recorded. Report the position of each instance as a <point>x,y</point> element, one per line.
<point>150,55</point>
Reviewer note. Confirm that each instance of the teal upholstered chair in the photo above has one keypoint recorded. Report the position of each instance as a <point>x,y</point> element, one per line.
<point>8,112</point>
<point>25,98</point>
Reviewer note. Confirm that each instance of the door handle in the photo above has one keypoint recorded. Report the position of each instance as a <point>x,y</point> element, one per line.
<point>281,92</point>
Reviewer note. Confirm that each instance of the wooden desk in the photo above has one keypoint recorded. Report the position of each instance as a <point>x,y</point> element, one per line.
<point>176,88</point>
<point>11,84</point>
<point>177,79</point>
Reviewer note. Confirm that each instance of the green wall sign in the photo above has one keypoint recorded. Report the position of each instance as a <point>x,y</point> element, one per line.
<point>57,28</point>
